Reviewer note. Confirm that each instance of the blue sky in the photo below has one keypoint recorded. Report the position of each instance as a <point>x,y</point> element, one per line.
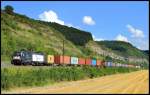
<point>106,20</point>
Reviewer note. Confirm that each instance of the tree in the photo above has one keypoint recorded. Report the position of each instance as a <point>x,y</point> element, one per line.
<point>108,58</point>
<point>9,9</point>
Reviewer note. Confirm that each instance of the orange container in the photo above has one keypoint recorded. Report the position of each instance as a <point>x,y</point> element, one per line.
<point>98,62</point>
<point>81,61</point>
<point>130,66</point>
<point>88,61</point>
<point>67,60</point>
<point>59,59</point>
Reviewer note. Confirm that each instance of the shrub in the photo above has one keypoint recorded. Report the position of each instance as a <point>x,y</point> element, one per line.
<point>9,9</point>
<point>38,76</point>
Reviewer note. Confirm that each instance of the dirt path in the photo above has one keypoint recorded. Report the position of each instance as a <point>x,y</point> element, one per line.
<point>135,82</point>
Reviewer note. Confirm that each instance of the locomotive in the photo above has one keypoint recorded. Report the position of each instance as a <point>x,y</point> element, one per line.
<point>24,57</point>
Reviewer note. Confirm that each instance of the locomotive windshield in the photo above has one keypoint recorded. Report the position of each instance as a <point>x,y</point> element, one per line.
<point>16,54</point>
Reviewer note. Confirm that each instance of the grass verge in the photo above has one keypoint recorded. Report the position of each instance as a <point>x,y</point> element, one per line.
<point>39,76</point>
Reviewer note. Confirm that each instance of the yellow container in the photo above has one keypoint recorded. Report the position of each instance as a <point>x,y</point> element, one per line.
<point>50,59</point>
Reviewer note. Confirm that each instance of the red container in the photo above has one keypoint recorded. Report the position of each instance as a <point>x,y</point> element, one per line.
<point>81,61</point>
<point>102,63</point>
<point>88,61</point>
<point>59,59</point>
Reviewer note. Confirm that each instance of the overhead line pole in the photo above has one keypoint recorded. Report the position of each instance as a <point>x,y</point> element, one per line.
<point>63,51</point>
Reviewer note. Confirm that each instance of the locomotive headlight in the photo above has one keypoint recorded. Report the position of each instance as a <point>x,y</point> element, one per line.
<point>16,57</point>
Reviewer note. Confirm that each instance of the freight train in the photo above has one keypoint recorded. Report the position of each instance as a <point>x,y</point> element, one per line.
<point>25,57</point>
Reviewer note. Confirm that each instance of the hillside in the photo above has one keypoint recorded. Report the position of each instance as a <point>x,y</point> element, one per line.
<point>146,52</point>
<point>76,36</point>
<point>121,48</point>
<point>20,32</point>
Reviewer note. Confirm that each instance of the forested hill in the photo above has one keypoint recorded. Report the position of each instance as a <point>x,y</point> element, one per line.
<point>121,48</point>
<point>78,37</point>
<point>146,52</point>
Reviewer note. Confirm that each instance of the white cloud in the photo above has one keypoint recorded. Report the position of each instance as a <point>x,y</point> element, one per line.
<point>69,25</point>
<point>97,39</point>
<point>142,44</point>
<point>78,27</point>
<point>88,20</point>
<point>121,38</point>
<point>135,32</point>
<point>50,16</point>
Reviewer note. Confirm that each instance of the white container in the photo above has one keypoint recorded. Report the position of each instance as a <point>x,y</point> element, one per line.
<point>37,57</point>
<point>74,60</point>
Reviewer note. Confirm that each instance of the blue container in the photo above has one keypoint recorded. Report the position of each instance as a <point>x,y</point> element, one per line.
<point>93,62</point>
<point>109,64</point>
<point>74,60</point>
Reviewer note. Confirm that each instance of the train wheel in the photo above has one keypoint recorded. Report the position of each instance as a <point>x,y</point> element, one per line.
<point>32,64</point>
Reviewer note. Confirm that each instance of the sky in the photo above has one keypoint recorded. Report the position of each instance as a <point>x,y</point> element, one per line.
<point>106,20</point>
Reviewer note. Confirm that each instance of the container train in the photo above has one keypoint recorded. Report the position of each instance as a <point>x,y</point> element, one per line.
<point>24,57</point>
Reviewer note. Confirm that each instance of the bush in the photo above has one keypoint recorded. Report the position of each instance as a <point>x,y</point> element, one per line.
<point>9,9</point>
<point>39,76</point>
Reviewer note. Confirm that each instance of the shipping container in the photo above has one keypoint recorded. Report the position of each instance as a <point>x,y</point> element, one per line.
<point>94,62</point>
<point>50,59</point>
<point>37,57</point>
<point>102,63</point>
<point>98,62</point>
<point>124,65</point>
<point>127,65</point>
<point>109,64</point>
<point>81,61</point>
<point>105,63</point>
<point>67,59</point>
<point>116,64</point>
<point>113,64</point>
<point>59,59</point>
<point>88,61</point>
<point>132,66</point>
<point>119,65</point>
<point>138,67</point>
<point>74,60</point>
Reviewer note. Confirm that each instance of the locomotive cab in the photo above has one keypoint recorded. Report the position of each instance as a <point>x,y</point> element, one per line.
<point>22,57</point>
<point>16,58</point>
